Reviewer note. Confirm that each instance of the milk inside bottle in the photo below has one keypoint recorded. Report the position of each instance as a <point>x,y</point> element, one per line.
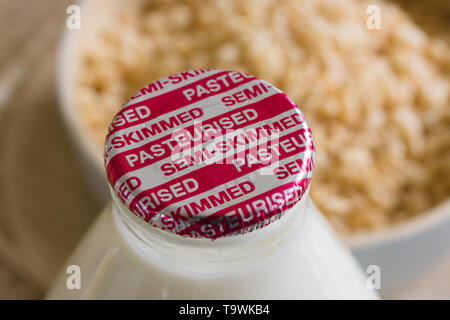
<point>209,172</point>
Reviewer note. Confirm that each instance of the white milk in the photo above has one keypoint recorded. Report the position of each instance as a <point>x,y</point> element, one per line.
<point>209,173</point>
<point>296,257</point>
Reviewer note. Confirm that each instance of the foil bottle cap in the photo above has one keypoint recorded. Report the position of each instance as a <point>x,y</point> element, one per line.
<point>209,153</point>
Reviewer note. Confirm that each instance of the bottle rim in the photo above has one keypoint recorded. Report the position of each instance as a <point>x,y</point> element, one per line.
<point>202,255</point>
<point>282,224</point>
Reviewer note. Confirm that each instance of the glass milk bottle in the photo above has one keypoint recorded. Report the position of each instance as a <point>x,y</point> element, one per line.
<point>209,172</point>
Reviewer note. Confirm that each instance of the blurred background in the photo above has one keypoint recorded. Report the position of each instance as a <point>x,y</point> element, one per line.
<point>377,98</point>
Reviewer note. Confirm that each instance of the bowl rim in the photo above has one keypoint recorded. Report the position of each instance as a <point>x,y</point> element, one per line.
<point>79,133</point>
<point>400,231</point>
<point>77,129</point>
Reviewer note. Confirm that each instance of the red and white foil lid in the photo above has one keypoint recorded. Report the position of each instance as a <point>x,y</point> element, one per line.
<point>209,153</point>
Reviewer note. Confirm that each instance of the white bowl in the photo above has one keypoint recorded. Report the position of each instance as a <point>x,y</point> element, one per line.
<point>406,250</point>
<point>402,251</point>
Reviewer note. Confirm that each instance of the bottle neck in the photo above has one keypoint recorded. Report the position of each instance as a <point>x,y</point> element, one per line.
<point>203,255</point>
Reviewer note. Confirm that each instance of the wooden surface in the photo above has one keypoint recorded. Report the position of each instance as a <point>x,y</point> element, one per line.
<point>45,205</point>
<point>45,202</point>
